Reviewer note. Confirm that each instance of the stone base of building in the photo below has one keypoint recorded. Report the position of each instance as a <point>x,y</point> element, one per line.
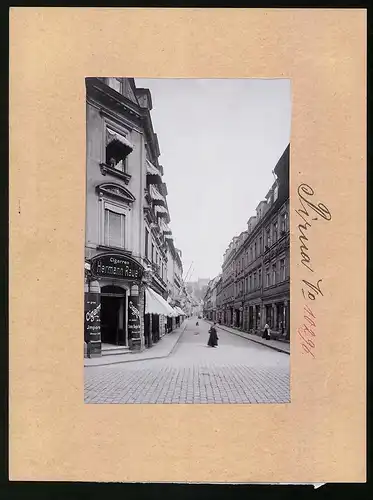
<point>136,345</point>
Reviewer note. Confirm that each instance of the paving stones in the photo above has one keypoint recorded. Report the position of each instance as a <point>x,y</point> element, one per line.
<point>239,371</point>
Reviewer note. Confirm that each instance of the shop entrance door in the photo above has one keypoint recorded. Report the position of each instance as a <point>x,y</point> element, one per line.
<point>113,315</point>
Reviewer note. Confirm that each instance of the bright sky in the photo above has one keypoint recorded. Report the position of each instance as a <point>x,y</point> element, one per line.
<point>219,142</point>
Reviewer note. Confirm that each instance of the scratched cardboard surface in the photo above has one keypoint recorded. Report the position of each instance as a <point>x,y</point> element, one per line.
<point>320,435</point>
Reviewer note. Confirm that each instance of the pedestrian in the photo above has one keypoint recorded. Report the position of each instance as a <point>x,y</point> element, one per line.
<point>197,330</point>
<point>213,338</point>
<point>267,332</point>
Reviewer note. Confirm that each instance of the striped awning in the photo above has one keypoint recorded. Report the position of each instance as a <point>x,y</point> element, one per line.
<point>156,195</point>
<point>156,304</point>
<point>160,210</point>
<point>164,227</point>
<point>151,170</point>
<point>179,311</point>
<point>114,136</point>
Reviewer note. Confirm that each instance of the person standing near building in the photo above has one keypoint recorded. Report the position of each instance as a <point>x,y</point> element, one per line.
<point>213,338</point>
<point>267,332</point>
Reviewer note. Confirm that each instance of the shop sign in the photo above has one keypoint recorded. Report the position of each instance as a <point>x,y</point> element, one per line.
<point>116,266</point>
<point>133,317</point>
<point>92,326</point>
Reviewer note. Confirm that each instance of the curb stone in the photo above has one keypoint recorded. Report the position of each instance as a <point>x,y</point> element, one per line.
<point>143,359</point>
<point>275,348</point>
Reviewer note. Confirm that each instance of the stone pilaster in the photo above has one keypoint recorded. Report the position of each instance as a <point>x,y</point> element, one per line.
<point>137,342</point>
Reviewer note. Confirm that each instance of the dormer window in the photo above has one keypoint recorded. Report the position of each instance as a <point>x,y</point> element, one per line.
<point>115,84</point>
<point>275,193</point>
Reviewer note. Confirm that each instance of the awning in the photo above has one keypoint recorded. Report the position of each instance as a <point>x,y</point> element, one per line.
<point>160,210</point>
<point>114,136</point>
<point>151,170</point>
<point>179,311</point>
<point>156,195</point>
<point>155,304</point>
<point>164,227</point>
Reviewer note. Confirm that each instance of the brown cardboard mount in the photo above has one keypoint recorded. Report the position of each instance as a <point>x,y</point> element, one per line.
<point>320,435</point>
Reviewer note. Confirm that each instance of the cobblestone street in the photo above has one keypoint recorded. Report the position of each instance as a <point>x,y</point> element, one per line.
<point>238,371</point>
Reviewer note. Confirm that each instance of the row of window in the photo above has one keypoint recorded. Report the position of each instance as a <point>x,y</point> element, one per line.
<point>272,235</point>
<point>273,275</point>
<point>154,255</point>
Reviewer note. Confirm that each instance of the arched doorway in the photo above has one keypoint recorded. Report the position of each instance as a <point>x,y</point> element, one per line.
<point>113,315</point>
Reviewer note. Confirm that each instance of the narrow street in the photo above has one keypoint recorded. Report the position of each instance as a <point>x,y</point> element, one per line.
<point>238,371</point>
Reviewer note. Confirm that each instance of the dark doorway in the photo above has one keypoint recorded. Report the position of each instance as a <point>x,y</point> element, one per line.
<point>237,322</point>
<point>155,328</point>
<point>113,315</point>
<point>148,340</point>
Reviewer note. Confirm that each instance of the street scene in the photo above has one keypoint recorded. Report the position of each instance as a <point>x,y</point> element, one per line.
<point>187,241</point>
<point>237,371</point>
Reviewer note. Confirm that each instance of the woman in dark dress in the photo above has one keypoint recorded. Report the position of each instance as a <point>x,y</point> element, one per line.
<point>213,338</point>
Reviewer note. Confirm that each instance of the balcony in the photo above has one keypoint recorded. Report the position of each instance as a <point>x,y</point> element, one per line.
<point>107,169</point>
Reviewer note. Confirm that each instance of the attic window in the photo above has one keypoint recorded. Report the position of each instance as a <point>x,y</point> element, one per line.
<point>115,84</point>
<point>275,193</point>
<point>117,150</point>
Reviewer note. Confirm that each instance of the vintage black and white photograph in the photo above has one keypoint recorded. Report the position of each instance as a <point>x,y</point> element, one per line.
<point>187,241</point>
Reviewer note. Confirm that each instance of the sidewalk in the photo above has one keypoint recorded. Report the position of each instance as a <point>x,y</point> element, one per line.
<point>277,345</point>
<point>162,349</point>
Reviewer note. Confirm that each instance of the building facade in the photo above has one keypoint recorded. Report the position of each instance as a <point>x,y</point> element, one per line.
<point>210,311</point>
<point>255,285</point>
<point>126,220</point>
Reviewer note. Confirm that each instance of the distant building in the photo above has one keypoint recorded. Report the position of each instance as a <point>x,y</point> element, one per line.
<point>210,299</point>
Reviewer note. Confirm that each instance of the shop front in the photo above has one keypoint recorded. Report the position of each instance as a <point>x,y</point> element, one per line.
<point>114,303</point>
<point>157,318</point>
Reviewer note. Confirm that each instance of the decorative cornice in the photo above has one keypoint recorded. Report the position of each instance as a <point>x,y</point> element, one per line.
<point>105,95</point>
<point>115,191</point>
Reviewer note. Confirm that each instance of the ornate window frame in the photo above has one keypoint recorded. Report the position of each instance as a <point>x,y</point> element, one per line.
<point>118,201</point>
<point>105,167</point>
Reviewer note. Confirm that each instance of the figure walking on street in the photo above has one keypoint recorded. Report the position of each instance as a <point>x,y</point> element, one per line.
<point>197,330</point>
<point>213,338</point>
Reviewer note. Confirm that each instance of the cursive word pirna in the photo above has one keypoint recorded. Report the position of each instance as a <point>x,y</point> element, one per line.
<point>309,212</point>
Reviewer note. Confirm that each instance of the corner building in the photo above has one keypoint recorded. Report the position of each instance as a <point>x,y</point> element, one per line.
<point>126,221</point>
